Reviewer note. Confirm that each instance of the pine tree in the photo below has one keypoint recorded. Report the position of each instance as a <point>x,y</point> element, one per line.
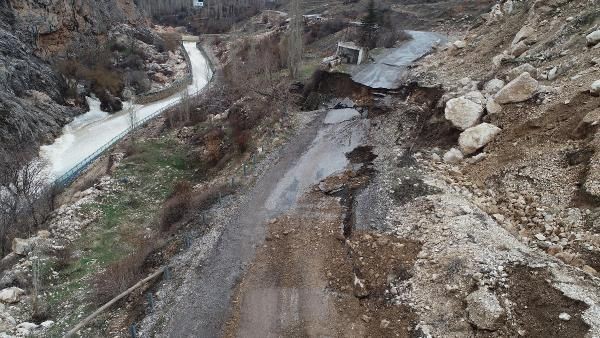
<point>369,26</point>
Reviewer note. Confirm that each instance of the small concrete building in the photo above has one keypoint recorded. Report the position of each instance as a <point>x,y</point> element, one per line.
<point>198,3</point>
<point>351,53</point>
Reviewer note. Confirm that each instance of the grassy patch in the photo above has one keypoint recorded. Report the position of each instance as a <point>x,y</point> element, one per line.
<point>145,179</point>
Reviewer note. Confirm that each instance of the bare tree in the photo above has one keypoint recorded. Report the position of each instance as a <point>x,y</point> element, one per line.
<point>26,197</point>
<point>295,39</point>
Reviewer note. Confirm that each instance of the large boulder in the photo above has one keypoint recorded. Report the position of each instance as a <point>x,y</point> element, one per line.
<point>595,88</point>
<point>462,112</point>
<point>593,38</point>
<point>591,184</point>
<point>492,107</point>
<point>453,156</point>
<point>588,125</point>
<point>22,246</point>
<point>517,71</point>
<point>524,33</point>
<point>519,49</point>
<point>518,90</point>
<point>484,310</point>
<point>477,137</point>
<point>7,322</point>
<point>11,295</point>
<point>476,97</point>
<point>493,86</point>
<point>109,103</point>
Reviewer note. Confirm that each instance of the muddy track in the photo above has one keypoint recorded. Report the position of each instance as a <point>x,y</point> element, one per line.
<point>316,152</point>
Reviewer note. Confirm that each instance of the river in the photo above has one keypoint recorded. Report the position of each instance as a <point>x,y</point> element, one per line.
<point>90,131</point>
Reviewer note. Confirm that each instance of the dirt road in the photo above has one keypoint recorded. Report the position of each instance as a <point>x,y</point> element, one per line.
<point>318,151</point>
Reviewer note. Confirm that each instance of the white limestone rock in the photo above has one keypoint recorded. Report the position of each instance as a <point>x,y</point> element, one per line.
<point>518,90</point>
<point>492,107</point>
<point>593,38</point>
<point>484,310</point>
<point>493,86</point>
<point>11,295</point>
<point>517,71</point>
<point>453,156</point>
<point>595,87</point>
<point>462,112</point>
<point>477,137</point>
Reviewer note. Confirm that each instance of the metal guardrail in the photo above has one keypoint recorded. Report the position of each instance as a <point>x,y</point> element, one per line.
<point>67,178</point>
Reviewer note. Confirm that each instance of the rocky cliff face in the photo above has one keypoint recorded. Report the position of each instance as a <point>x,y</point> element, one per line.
<point>32,105</point>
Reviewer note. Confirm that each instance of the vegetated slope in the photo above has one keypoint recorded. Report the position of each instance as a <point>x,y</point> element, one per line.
<point>32,108</point>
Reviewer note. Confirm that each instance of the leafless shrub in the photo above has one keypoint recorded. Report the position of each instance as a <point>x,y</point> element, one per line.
<point>121,275</point>
<point>26,198</point>
<point>170,41</point>
<point>176,206</point>
<point>204,198</point>
<point>63,258</point>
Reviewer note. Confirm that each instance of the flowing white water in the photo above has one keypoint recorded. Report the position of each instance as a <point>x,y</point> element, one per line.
<point>90,131</point>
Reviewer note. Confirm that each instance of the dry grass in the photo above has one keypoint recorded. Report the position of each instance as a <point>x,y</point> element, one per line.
<point>176,206</point>
<point>122,274</point>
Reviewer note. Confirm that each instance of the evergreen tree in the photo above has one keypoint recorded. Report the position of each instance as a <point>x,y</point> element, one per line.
<point>369,26</point>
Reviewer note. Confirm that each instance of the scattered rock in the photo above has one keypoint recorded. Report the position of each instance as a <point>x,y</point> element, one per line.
<point>47,324</point>
<point>492,106</point>
<point>484,310</point>
<point>497,60</point>
<point>595,88</point>
<point>476,97</point>
<point>360,290</point>
<point>384,323</point>
<point>477,158</point>
<point>564,316</point>
<point>518,49</point>
<point>22,246</point>
<point>593,38</point>
<point>588,124</point>
<point>27,326</point>
<point>553,74</point>
<point>11,295</point>
<point>463,113</point>
<point>7,322</point>
<point>476,137</point>
<point>493,86</point>
<point>540,237</point>
<point>45,234</point>
<point>524,33</point>
<point>517,71</point>
<point>508,7</point>
<point>590,270</point>
<point>453,156</point>
<point>518,90</point>
<point>459,44</point>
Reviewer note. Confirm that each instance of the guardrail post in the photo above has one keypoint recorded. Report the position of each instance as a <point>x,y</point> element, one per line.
<point>133,330</point>
<point>244,166</point>
<point>150,302</point>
